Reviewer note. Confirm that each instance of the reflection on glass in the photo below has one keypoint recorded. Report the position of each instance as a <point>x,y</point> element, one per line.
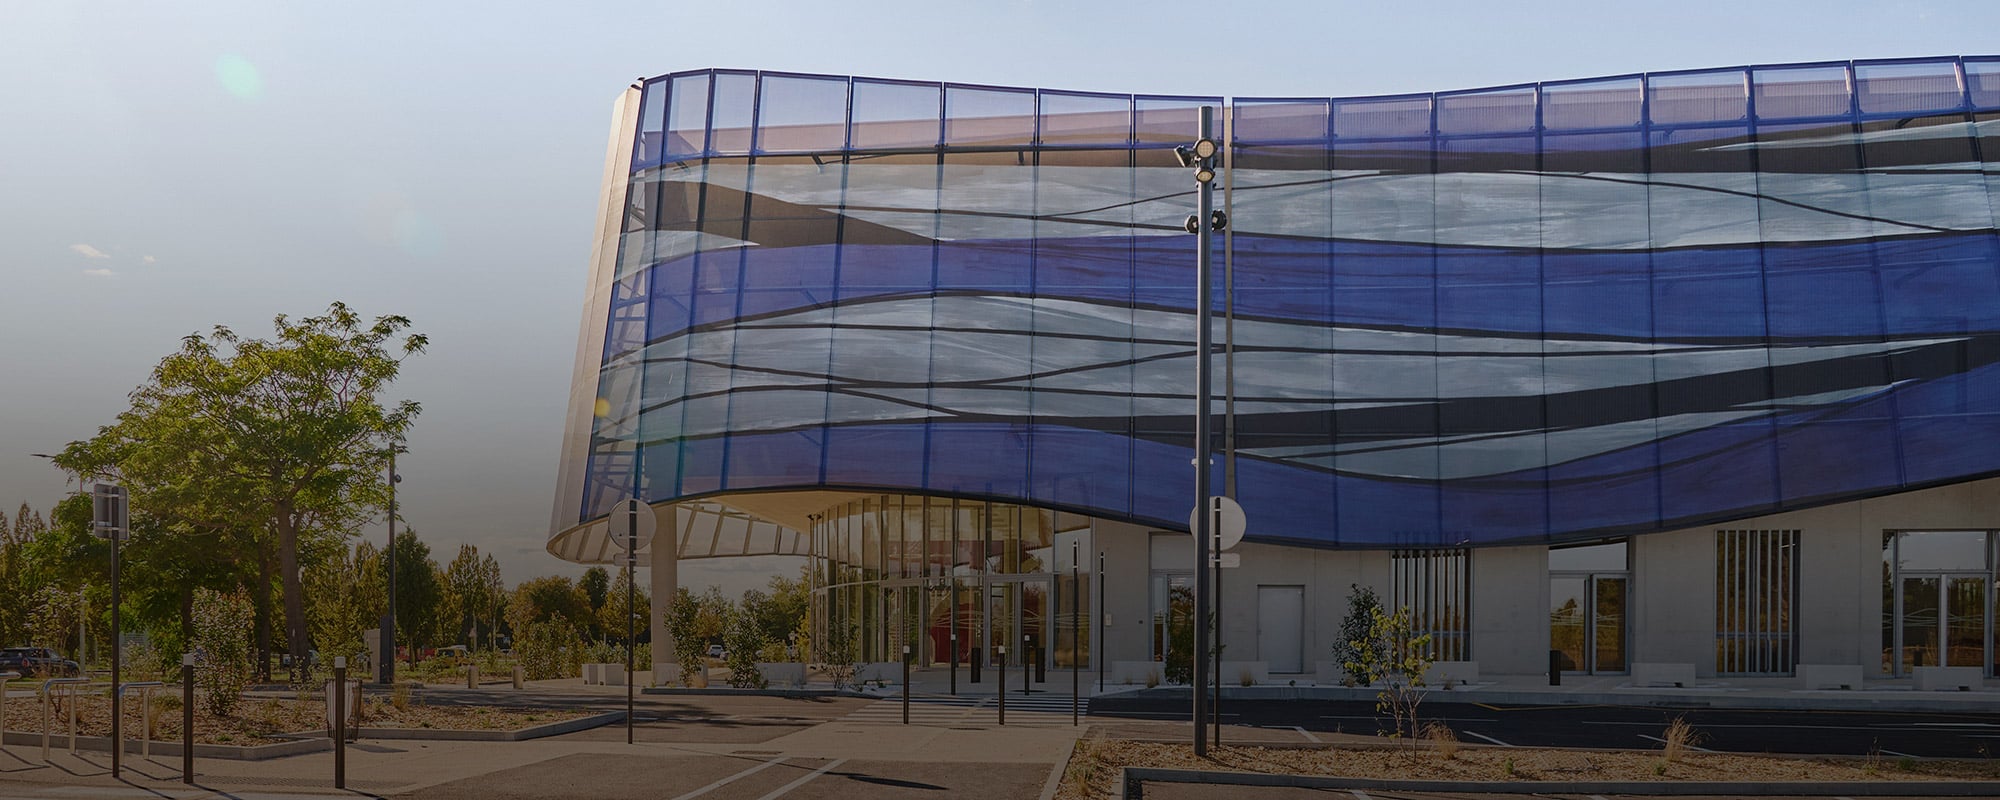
<point>1959,551</point>
<point>1607,557</point>
<point>1965,627</point>
<point>1608,626</point>
<point>1000,598</point>
<point>1920,623</point>
<point>1567,601</point>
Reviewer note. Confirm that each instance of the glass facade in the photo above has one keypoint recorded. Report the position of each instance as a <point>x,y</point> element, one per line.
<point>1535,313</point>
<point>927,572</point>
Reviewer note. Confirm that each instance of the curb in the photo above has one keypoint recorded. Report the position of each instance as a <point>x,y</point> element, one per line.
<point>668,690</point>
<point>518,735</point>
<point>1633,698</point>
<point>1131,785</point>
<point>102,744</point>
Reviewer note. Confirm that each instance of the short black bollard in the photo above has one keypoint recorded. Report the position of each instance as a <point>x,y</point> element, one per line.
<point>1041,664</point>
<point>906,684</point>
<point>1001,653</point>
<point>1027,676</point>
<point>954,662</point>
<point>1555,667</point>
<point>975,661</point>
<point>187,718</point>
<point>340,722</point>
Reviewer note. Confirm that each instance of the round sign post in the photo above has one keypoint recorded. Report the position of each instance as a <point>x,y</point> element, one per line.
<point>1228,519</point>
<point>632,525</point>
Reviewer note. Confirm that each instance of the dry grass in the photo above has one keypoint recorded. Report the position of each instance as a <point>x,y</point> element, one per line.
<point>1681,738</point>
<point>1094,765</point>
<point>1442,740</point>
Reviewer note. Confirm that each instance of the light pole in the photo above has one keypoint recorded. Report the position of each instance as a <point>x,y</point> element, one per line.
<point>387,669</point>
<point>1201,156</point>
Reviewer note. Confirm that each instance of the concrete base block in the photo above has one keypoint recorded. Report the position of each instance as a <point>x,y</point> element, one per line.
<point>1662,674</point>
<point>592,675</point>
<point>667,675</point>
<point>1948,679</point>
<point>1233,673</point>
<point>1830,676</point>
<point>886,671</point>
<point>782,675</point>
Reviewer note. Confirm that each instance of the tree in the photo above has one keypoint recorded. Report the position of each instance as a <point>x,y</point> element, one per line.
<point>596,585</point>
<point>223,668</point>
<point>281,439</point>
<point>1393,653</point>
<point>1362,606</point>
<point>463,585</point>
<point>610,618</point>
<point>419,592</point>
<point>345,597</point>
<point>551,597</point>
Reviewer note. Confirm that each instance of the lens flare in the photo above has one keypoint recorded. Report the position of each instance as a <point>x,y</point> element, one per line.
<point>603,407</point>
<point>239,77</point>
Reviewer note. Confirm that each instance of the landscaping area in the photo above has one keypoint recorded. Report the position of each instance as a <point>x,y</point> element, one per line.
<point>257,721</point>
<point>1094,765</point>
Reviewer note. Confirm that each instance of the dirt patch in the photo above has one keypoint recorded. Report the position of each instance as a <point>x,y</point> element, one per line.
<point>263,720</point>
<point>1094,765</point>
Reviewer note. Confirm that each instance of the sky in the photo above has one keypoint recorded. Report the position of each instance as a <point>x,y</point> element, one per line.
<point>165,168</point>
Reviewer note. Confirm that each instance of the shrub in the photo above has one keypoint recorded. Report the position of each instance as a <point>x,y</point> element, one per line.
<point>1394,654</point>
<point>838,654</point>
<point>1442,739</point>
<point>399,697</point>
<point>742,640</point>
<point>1350,649</point>
<point>222,649</point>
<point>548,649</point>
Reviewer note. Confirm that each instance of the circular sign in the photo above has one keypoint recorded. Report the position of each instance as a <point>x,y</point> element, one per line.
<point>1226,522</point>
<point>624,516</point>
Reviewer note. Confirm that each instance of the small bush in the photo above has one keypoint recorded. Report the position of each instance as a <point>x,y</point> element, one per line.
<point>400,696</point>
<point>1906,764</point>
<point>1659,767</point>
<point>1507,766</point>
<point>1152,679</point>
<point>1247,678</point>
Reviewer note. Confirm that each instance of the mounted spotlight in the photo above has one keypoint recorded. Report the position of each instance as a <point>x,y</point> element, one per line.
<point>1219,221</point>
<point>1185,155</point>
<point>1206,148</point>
<point>1204,175</point>
<point>1192,224</point>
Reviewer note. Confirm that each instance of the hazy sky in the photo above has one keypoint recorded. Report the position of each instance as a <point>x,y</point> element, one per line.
<point>165,167</point>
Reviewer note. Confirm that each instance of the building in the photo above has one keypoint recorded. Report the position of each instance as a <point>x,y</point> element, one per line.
<point>1690,367</point>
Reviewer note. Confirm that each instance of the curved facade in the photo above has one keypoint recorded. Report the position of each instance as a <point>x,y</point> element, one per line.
<point>1533,313</point>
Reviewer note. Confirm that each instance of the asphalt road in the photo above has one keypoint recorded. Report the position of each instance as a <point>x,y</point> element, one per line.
<point>1182,791</point>
<point>744,777</point>
<point>1894,734</point>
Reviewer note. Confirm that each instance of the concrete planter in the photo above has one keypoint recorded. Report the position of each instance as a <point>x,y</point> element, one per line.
<point>782,674</point>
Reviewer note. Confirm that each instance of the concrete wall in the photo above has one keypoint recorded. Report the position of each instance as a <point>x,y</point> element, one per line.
<point>1672,599</point>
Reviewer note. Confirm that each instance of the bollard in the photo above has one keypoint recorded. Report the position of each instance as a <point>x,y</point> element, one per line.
<point>1001,653</point>
<point>4,678</point>
<point>472,676</point>
<point>187,718</point>
<point>339,722</point>
<point>518,676</point>
<point>1027,677</point>
<point>1041,663</point>
<point>954,661</point>
<point>977,657</point>
<point>1555,667</point>
<point>906,684</point>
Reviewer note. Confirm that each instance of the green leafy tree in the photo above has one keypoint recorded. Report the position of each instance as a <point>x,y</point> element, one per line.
<point>419,593</point>
<point>546,598</point>
<point>279,440</point>
<point>1398,657</point>
<point>1355,629</point>
<point>610,617</point>
<point>345,597</point>
<point>743,640</point>
<point>684,623</point>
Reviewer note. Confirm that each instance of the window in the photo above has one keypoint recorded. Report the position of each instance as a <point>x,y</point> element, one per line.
<point>1937,601</point>
<point>1755,591</point>
<point>1433,585</point>
<point>1588,587</point>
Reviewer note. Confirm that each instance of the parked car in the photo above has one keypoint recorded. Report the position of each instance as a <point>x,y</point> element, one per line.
<point>716,651</point>
<point>37,661</point>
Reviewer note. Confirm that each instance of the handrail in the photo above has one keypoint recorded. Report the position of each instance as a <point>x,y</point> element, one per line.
<point>48,713</point>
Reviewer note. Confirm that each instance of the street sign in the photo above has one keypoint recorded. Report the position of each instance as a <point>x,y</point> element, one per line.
<point>620,523</point>
<point>110,511</point>
<point>1228,521</point>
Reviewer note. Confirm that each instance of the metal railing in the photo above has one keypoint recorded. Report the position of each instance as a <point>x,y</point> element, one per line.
<point>4,678</point>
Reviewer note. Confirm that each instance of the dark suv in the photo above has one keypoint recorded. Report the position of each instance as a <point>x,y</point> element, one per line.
<point>33,661</point>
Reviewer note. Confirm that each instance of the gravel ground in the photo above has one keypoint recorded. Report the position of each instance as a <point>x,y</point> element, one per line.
<point>260,720</point>
<point>1094,765</point>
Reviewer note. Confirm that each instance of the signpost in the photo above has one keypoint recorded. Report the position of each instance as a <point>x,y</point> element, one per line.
<point>1227,522</point>
<point>636,521</point>
<point>339,722</point>
<point>187,718</point>
<point>110,518</point>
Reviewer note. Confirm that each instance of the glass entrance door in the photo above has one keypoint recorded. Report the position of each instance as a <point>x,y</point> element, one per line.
<point>1587,622</point>
<point>1943,621</point>
<point>1017,618</point>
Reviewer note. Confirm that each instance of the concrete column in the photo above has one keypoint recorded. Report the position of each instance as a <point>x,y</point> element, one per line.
<point>665,572</point>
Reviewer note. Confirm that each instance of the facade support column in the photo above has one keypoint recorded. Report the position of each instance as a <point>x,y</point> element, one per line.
<point>665,574</point>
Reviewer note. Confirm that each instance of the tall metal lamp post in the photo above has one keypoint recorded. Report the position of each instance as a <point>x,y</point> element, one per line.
<point>387,669</point>
<point>1202,157</point>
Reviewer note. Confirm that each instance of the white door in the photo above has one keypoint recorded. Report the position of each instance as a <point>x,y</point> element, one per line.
<point>1281,627</point>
